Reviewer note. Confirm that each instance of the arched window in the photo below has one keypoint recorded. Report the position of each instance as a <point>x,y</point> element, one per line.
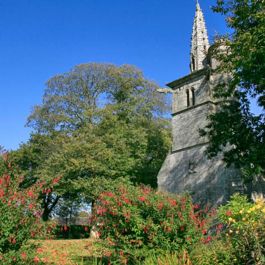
<point>188,97</point>
<point>193,96</point>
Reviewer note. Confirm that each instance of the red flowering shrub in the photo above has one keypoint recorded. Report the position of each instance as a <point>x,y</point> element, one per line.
<point>138,221</point>
<point>19,218</point>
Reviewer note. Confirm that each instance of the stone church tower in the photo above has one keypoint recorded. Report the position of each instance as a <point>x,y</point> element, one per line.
<point>186,168</point>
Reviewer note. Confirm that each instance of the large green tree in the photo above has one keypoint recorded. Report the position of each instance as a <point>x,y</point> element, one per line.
<point>97,123</point>
<point>73,99</point>
<point>243,56</point>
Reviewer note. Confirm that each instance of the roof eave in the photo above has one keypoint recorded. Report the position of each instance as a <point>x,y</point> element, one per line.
<point>181,81</point>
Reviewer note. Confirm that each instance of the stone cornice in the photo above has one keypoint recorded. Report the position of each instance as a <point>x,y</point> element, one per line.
<point>189,147</point>
<point>188,78</point>
<point>196,106</point>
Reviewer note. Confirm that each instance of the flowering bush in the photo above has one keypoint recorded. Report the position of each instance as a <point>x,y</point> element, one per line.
<point>137,222</point>
<point>245,229</point>
<point>19,218</point>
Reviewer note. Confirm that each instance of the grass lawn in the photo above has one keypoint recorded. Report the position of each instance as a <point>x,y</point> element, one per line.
<point>67,252</point>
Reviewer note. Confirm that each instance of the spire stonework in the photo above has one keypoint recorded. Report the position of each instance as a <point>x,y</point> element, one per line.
<point>199,42</point>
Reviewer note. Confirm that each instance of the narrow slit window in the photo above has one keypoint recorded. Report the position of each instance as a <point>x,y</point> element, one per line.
<point>193,63</point>
<point>188,97</point>
<point>193,96</point>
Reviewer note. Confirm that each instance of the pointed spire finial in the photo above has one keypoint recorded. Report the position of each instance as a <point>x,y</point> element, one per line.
<point>200,42</point>
<point>197,4</point>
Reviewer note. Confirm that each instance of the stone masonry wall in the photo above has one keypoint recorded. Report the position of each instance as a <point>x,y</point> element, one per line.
<point>208,181</point>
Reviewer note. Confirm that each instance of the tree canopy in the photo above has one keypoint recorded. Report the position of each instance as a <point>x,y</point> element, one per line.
<point>73,99</point>
<point>97,123</point>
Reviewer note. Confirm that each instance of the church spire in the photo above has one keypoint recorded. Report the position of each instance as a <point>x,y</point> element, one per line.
<point>200,42</point>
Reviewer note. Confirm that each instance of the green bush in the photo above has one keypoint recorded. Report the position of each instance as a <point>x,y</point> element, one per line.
<point>245,229</point>
<point>242,239</point>
<point>181,258</point>
<point>215,253</point>
<point>19,219</point>
<point>137,222</point>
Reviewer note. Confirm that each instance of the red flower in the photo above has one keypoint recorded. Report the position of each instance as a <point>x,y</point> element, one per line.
<point>101,211</point>
<point>228,213</point>
<point>142,199</point>
<point>207,240</point>
<point>104,202</point>
<point>36,259</point>
<point>30,194</point>
<point>196,207</point>
<point>109,194</point>
<point>160,206</point>
<point>125,200</point>
<point>168,229</point>
<point>56,180</point>
<point>219,227</point>
<point>2,193</point>
<point>39,250</point>
<point>146,190</point>
<point>182,228</point>
<point>180,215</point>
<point>173,202</point>
<point>23,255</point>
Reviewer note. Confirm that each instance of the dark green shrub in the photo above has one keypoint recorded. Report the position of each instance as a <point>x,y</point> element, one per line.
<point>71,231</point>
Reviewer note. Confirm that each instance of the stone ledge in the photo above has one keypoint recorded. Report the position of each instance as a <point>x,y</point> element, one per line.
<point>196,106</point>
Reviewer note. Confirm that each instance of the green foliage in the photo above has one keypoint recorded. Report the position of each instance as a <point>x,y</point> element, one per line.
<point>110,150</point>
<point>242,54</point>
<point>215,253</point>
<point>245,56</point>
<point>246,147</point>
<point>240,239</point>
<point>97,121</point>
<point>72,99</point>
<point>245,231</point>
<point>181,258</point>
<point>137,222</point>
<point>19,219</point>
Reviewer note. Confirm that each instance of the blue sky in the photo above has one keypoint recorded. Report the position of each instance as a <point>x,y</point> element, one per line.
<point>41,38</point>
